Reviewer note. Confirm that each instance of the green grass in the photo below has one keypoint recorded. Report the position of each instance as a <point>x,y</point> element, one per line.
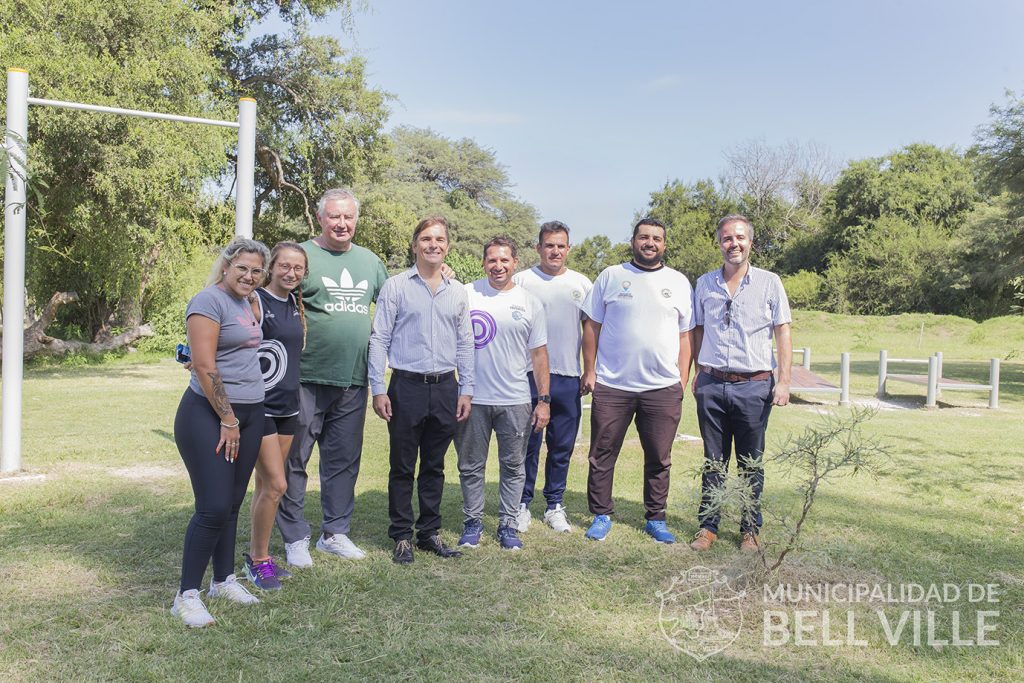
<point>91,553</point>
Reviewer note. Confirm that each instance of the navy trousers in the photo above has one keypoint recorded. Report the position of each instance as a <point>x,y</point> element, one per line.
<point>560,436</point>
<point>732,414</point>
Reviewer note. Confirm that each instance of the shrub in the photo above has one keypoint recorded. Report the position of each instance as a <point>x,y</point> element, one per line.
<point>803,289</point>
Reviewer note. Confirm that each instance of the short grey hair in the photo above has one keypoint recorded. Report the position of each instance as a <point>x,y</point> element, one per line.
<point>734,218</point>
<point>239,245</point>
<point>333,195</point>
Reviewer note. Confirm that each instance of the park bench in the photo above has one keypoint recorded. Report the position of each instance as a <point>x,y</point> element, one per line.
<point>934,381</point>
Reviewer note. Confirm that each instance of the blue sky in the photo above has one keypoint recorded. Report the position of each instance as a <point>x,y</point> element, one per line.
<point>593,105</point>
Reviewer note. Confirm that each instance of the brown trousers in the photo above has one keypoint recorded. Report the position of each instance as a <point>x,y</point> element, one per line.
<point>657,415</point>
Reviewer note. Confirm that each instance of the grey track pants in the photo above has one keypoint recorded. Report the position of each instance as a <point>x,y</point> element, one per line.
<point>511,424</point>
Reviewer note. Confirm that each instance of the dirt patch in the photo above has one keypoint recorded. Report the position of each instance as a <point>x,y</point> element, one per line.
<point>145,472</point>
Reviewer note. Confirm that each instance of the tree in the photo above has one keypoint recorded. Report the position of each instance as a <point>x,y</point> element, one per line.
<point>920,183</point>
<point>131,202</point>
<point>458,179</point>
<point>782,190</point>
<point>320,125</point>
<point>596,253</point>
<point>125,201</point>
<point>896,267</point>
<point>1000,147</point>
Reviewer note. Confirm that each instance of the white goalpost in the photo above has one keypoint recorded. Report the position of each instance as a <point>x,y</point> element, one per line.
<point>16,144</point>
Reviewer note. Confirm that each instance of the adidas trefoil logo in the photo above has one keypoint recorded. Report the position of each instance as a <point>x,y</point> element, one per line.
<point>347,294</point>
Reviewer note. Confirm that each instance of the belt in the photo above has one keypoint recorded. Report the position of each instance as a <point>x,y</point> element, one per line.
<point>737,376</point>
<point>436,378</point>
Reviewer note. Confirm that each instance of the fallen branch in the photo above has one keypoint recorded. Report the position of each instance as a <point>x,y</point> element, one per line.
<point>38,343</point>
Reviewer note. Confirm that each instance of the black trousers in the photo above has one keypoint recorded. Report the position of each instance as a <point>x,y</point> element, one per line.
<point>219,486</point>
<point>422,425</point>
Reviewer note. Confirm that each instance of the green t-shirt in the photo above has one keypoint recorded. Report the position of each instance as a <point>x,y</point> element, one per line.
<point>336,293</point>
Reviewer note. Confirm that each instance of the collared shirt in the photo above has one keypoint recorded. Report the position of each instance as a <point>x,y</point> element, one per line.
<point>757,307</point>
<point>418,330</point>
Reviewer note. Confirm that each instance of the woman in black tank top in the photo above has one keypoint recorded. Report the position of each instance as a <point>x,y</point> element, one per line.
<point>279,308</point>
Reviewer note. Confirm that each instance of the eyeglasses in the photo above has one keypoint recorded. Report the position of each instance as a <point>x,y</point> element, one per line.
<point>284,268</point>
<point>728,311</point>
<point>242,271</point>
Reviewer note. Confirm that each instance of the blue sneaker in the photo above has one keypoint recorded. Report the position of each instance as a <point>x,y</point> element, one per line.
<point>508,538</point>
<point>658,530</point>
<point>471,533</point>
<point>599,528</point>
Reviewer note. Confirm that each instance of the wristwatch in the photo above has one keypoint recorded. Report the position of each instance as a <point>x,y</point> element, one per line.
<point>544,398</point>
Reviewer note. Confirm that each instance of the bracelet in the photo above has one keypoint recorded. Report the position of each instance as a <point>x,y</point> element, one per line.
<point>237,422</point>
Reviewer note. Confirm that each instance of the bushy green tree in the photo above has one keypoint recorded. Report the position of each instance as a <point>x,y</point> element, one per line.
<point>896,267</point>
<point>125,201</point>
<point>130,201</point>
<point>920,184</point>
<point>458,179</point>
<point>596,253</point>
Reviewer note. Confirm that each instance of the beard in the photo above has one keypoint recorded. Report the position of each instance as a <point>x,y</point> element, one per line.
<point>646,262</point>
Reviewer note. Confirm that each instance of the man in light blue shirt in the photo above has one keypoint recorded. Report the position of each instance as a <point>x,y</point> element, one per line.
<point>422,326</point>
<point>738,310</point>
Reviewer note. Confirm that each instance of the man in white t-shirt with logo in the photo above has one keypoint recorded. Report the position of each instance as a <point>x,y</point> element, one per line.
<point>510,335</point>
<point>636,362</point>
<point>561,291</point>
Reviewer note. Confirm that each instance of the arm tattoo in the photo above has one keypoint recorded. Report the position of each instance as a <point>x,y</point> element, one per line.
<point>219,400</point>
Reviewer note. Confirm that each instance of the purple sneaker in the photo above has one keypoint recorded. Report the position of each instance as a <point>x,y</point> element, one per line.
<point>279,571</point>
<point>261,574</point>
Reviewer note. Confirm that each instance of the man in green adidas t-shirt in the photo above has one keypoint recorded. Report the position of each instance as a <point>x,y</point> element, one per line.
<point>341,282</point>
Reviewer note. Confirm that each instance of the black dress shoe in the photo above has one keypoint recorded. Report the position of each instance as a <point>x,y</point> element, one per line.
<point>403,552</point>
<point>435,545</point>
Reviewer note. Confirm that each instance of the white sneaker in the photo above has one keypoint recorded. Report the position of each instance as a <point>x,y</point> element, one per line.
<point>230,589</point>
<point>555,518</point>
<point>340,545</point>
<point>523,519</point>
<point>189,606</point>
<point>297,554</point>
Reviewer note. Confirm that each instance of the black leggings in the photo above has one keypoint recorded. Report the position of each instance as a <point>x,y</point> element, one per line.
<point>219,486</point>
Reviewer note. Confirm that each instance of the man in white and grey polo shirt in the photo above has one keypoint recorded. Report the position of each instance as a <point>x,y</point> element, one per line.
<point>422,327</point>
<point>738,310</point>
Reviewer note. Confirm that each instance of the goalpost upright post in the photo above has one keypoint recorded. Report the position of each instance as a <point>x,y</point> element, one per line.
<point>15,197</point>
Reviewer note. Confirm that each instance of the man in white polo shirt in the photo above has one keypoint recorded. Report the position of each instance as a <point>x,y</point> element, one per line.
<point>561,291</point>
<point>509,336</point>
<point>636,362</point>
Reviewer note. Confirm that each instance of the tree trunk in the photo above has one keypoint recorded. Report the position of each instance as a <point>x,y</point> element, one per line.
<point>38,343</point>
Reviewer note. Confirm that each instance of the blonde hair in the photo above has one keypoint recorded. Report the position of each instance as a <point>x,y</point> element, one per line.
<point>239,245</point>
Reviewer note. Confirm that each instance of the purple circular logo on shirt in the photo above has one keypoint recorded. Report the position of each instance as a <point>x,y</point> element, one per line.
<point>484,328</point>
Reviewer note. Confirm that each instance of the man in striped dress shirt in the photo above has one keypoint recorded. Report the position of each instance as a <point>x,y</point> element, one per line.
<point>422,327</point>
<point>738,310</point>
